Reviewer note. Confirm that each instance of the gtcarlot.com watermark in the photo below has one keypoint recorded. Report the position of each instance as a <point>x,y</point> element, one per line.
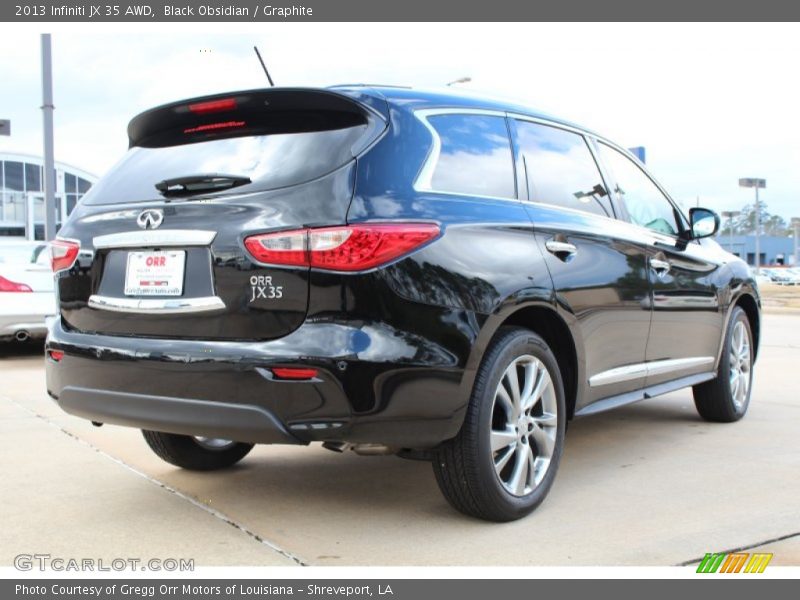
<point>44,562</point>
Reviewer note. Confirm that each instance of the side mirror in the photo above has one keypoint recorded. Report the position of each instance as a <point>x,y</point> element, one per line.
<point>704,223</point>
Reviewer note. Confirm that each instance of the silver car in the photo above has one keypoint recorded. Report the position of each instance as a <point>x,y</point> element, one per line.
<point>27,295</point>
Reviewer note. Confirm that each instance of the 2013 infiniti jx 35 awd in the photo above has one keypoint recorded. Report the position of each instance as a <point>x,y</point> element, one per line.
<point>391,271</point>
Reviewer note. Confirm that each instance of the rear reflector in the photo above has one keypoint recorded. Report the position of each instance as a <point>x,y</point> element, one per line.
<point>350,248</point>
<point>212,106</point>
<point>294,373</point>
<point>63,254</point>
<point>56,355</point>
<point>6,285</point>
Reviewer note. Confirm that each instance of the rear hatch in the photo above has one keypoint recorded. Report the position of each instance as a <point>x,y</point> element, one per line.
<point>166,225</point>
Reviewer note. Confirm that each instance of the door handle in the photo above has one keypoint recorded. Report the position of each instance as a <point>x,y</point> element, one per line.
<point>563,250</point>
<point>660,267</point>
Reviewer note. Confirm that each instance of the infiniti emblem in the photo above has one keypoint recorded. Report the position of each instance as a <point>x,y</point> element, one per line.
<point>150,218</point>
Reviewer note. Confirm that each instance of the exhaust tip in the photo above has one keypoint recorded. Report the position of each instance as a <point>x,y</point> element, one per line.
<point>22,336</point>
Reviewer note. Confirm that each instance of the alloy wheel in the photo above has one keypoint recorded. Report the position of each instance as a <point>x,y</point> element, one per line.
<point>740,364</point>
<point>524,425</point>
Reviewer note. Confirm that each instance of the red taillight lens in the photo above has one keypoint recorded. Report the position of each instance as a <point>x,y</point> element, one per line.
<point>63,254</point>
<point>56,355</point>
<point>295,373</point>
<point>6,285</point>
<point>350,248</point>
<point>212,106</point>
<point>362,247</point>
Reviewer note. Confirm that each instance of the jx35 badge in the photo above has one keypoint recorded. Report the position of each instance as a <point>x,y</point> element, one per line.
<point>261,287</point>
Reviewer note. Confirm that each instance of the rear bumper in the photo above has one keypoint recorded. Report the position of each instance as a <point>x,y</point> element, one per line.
<point>176,415</point>
<point>369,386</point>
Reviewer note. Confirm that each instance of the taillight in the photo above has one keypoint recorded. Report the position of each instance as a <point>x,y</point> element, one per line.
<point>63,254</point>
<point>6,285</point>
<point>284,248</point>
<point>348,248</point>
<point>56,355</point>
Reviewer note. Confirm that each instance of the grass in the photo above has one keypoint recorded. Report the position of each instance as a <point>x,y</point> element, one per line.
<point>780,296</point>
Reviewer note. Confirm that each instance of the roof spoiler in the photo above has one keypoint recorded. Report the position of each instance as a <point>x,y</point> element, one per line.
<point>251,112</point>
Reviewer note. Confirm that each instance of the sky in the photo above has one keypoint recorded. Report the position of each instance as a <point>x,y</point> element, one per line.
<point>710,102</point>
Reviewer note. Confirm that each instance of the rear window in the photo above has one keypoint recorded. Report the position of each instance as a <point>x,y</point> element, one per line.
<point>474,157</point>
<point>271,161</point>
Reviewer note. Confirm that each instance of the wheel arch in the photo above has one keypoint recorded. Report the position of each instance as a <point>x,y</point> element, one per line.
<point>547,322</point>
<point>750,305</point>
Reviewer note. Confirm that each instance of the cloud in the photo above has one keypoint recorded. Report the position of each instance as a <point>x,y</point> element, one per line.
<point>711,102</point>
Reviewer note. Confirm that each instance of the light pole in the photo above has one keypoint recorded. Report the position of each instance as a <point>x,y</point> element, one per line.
<point>730,214</point>
<point>752,182</point>
<point>47,115</point>
<point>796,226</point>
<point>460,80</point>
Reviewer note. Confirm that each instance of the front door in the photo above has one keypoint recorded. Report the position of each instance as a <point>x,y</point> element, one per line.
<point>687,323</point>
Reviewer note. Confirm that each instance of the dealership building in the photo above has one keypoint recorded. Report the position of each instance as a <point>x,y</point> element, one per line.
<point>774,250</point>
<point>22,193</point>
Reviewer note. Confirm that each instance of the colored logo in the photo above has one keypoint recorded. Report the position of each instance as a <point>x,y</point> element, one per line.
<point>735,562</point>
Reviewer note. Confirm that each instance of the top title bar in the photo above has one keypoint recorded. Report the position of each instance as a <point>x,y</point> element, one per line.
<point>150,11</point>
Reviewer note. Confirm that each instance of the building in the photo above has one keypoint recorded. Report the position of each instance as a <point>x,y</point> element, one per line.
<point>22,193</point>
<point>774,250</point>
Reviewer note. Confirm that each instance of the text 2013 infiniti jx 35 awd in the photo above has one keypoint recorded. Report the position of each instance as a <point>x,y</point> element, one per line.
<point>388,271</point>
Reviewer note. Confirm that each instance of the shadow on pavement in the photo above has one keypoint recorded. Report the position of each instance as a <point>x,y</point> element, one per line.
<point>12,350</point>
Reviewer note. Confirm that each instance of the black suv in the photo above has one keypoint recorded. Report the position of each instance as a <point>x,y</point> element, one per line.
<point>388,271</point>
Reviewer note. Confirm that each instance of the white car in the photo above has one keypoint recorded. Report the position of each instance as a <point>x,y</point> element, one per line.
<point>27,295</point>
<point>781,276</point>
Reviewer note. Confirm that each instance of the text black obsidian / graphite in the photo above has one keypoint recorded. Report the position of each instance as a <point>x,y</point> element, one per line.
<point>266,10</point>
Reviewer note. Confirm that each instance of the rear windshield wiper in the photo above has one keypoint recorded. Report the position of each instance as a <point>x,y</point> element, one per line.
<point>196,184</point>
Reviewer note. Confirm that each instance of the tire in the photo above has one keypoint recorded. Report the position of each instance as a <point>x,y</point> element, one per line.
<point>725,399</point>
<point>196,453</point>
<point>465,467</point>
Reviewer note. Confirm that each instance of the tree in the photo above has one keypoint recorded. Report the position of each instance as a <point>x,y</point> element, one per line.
<point>745,223</point>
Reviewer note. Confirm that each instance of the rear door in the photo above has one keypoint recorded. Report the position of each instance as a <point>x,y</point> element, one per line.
<point>166,225</point>
<point>685,275</point>
<point>599,274</point>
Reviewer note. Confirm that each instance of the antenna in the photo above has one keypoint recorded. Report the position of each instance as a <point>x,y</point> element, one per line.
<point>263,66</point>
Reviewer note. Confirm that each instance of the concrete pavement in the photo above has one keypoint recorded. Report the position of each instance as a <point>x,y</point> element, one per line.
<point>648,484</point>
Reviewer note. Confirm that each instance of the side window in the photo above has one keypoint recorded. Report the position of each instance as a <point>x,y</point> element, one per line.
<point>474,156</point>
<point>561,170</point>
<point>645,203</point>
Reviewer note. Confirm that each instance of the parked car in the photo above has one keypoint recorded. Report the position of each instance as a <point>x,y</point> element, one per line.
<point>781,276</point>
<point>759,277</point>
<point>394,272</point>
<point>27,294</point>
<point>793,275</point>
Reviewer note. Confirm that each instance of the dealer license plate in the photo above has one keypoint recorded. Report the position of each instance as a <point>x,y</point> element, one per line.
<point>155,273</point>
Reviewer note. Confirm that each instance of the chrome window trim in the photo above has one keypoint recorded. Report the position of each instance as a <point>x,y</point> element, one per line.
<point>156,306</point>
<point>641,370</point>
<point>548,122</point>
<point>154,237</point>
